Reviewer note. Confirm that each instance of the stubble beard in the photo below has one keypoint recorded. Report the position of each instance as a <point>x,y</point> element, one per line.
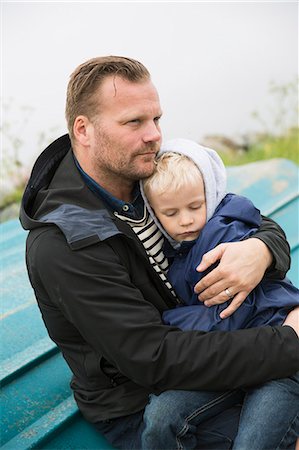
<point>123,168</point>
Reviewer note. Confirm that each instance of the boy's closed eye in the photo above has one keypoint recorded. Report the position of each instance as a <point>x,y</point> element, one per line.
<point>169,213</point>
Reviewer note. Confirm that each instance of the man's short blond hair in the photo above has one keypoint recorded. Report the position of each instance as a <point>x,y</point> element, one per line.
<point>87,78</point>
<point>172,172</point>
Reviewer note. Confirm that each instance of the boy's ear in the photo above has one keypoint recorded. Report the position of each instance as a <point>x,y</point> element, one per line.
<point>82,130</point>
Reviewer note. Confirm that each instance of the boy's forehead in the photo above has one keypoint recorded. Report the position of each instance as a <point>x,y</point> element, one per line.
<point>193,191</point>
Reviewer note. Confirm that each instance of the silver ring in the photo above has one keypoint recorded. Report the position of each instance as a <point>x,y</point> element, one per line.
<point>228,293</point>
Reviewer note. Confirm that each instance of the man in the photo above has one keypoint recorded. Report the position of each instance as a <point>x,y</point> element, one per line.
<point>96,264</point>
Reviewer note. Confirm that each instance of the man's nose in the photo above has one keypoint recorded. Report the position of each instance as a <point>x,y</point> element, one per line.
<point>152,133</point>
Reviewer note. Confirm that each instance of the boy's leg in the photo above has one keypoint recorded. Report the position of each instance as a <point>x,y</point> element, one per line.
<point>216,433</point>
<point>171,420</point>
<point>270,416</point>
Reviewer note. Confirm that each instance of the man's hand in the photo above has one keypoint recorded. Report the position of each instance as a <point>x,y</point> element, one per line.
<point>292,320</point>
<point>242,266</point>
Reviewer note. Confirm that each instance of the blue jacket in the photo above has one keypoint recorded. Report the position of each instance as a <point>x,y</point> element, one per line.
<point>235,219</point>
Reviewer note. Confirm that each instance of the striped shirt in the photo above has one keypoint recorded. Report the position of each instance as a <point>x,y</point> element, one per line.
<point>152,240</point>
<point>145,228</point>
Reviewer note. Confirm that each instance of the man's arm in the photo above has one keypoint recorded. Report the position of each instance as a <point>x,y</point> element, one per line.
<point>95,291</point>
<point>275,239</point>
<point>243,265</point>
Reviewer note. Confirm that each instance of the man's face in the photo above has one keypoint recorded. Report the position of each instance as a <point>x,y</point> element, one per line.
<point>182,213</point>
<point>126,134</point>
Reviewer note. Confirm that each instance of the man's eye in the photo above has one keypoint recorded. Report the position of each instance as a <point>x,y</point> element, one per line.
<point>157,119</point>
<point>134,121</point>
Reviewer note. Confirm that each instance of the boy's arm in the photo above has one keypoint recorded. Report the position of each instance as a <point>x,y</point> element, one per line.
<point>242,266</point>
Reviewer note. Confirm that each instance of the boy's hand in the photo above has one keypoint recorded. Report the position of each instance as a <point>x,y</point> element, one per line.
<point>242,266</point>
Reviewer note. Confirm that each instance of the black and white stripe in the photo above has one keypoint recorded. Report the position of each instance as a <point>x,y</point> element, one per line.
<point>152,240</point>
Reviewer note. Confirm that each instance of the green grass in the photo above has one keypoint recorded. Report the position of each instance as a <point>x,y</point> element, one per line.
<point>286,146</point>
<point>13,197</point>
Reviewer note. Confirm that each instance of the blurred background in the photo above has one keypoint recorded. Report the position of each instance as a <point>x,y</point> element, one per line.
<point>226,72</point>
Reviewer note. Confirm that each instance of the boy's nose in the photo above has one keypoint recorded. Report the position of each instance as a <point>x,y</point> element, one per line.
<point>185,219</point>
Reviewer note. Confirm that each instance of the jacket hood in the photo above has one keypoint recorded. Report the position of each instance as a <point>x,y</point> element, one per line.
<point>56,194</point>
<point>41,176</point>
<point>211,167</point>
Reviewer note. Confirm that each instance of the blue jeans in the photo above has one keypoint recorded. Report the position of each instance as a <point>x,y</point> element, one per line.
<point>270,416</point>
<point>205,420</point>
<point>176,420</point>
<point>127,432</point>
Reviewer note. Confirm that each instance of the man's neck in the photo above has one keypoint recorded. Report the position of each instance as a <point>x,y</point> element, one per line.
<point>120,188</point>
<point>123,190</point>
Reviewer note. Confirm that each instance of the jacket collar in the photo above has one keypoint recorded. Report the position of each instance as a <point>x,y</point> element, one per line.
<point>57,194</point>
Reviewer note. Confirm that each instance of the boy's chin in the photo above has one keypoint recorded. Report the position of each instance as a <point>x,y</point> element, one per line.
<point>187,237</point>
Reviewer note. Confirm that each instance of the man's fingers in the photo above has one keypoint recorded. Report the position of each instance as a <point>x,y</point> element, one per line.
<point>234,305</point>
<point>214,294</point>
<point>215,283</point>
<point>211,257</point>
<point>209,286</point>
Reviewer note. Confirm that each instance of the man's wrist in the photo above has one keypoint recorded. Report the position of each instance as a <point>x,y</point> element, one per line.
<point>265,252</point>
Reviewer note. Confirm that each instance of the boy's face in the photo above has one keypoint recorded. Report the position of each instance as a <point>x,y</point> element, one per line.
<point>182,213</point>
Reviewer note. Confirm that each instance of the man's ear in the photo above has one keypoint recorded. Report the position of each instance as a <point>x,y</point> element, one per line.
<point>82,130</point>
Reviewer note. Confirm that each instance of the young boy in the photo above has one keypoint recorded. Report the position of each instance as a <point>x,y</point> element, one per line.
<point>187,198</point>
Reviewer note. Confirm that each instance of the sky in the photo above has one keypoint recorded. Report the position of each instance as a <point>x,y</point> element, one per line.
<point>212,62</point>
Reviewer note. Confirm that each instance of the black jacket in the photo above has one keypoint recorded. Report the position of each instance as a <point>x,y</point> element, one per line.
<point>101,302</point>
